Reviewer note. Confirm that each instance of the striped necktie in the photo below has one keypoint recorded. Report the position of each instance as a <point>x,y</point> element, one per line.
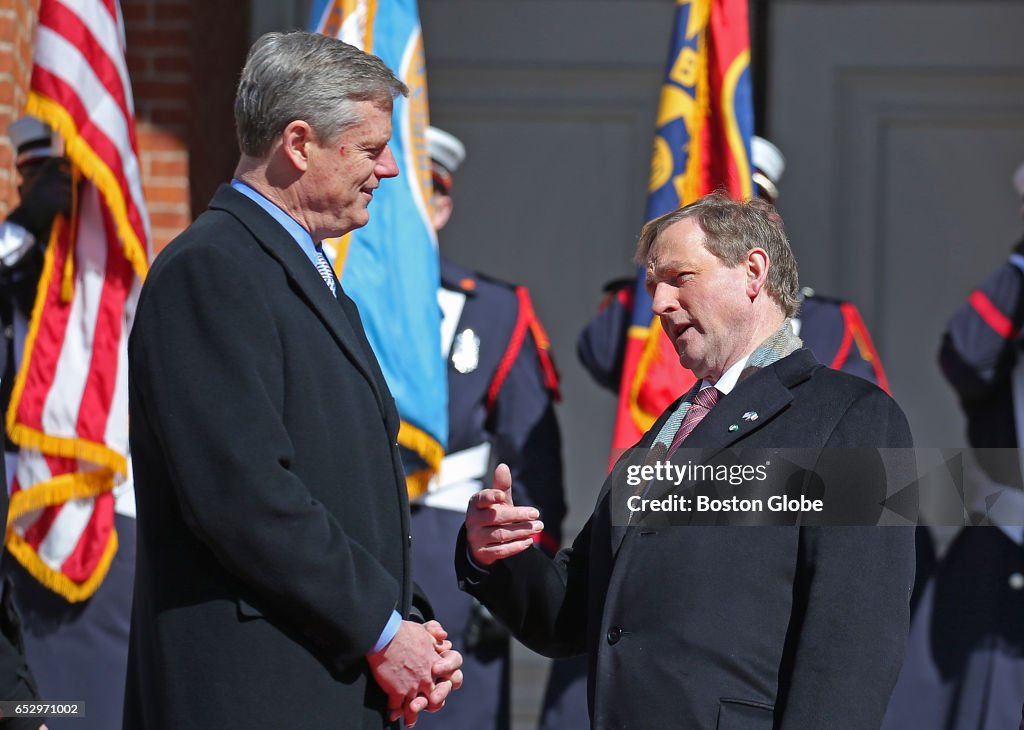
<point>324,267</point>
<point>703,402</point>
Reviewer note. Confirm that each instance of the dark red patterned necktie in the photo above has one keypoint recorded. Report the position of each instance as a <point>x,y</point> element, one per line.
<point>703,402</point>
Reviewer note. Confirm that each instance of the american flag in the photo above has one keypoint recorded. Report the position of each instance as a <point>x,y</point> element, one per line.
<point>69,409</point>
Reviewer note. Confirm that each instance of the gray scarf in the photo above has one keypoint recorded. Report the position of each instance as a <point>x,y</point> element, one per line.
<point>784,342</point>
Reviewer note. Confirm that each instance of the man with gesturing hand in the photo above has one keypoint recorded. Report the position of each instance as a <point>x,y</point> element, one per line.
<point>789,625</point>
<point>273,585</point>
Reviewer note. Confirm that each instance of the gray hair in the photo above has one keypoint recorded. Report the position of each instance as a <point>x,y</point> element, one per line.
<point>731,229</point>
<point>307,76</point>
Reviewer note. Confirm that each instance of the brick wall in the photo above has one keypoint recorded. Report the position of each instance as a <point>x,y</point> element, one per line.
<point>183,117</point>
<point>157,38</point>
<point>17,23</point>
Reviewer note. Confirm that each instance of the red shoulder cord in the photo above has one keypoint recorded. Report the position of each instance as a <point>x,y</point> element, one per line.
<point>856,329</point>
<point>526,320</point>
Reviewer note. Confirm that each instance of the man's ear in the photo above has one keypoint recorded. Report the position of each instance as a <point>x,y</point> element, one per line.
<point>296,140</point>
<point>440,210</point>
<point>757,264</point>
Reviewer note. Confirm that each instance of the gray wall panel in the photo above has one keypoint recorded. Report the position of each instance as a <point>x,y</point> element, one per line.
<point>901,137</point>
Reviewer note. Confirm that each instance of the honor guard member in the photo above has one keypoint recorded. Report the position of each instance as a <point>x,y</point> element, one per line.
<point>44,191</point>
<point>830,328</point>
<point>502,386</point>
<point>77,651</point>
<point>965,660</point>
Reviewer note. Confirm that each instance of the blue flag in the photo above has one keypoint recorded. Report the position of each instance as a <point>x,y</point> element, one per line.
<point>390,267</point>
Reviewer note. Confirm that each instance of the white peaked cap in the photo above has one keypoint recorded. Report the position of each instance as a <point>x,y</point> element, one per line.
<point>30,138</point>
<point>445,149</point>
<point>767,158</point>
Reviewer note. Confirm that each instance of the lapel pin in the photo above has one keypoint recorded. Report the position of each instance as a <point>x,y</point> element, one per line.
<point>750,416</point>
<point>734,427</point>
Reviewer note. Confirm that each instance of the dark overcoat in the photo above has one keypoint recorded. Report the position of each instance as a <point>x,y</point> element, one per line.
<point>789,627</point>
<point>273,538</point>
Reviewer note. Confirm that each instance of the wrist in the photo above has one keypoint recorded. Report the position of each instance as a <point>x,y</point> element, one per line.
<point>475,564</point>
<point>386,635</point>
<point>474,574</point>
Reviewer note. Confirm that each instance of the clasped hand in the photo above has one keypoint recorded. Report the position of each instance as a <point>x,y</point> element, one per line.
<point>417,670</point>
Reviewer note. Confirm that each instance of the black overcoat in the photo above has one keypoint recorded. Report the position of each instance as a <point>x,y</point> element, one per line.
<point>695,627</point>
<point>273,538</point>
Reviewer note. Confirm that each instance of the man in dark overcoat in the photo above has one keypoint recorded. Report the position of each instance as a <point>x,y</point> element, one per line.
<point>273,585</point>
<point>798,625</point>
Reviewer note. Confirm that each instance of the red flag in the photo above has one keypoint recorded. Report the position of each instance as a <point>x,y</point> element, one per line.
<point>702,143</point>
<point>68,410</point>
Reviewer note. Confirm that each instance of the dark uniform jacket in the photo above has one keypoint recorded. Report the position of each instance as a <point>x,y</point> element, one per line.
<point>718,627</point>
<point>965,661</point>
<point>273,517</point>
<point>979,350</point>
<point>508,397</point>
<point>502,387</point>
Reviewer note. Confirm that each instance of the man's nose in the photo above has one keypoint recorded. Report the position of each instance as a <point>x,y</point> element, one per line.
<point>664,299</point>
<point>387,166</point>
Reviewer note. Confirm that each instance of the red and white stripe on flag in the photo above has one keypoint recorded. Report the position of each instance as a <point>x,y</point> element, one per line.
<point>69,410</point>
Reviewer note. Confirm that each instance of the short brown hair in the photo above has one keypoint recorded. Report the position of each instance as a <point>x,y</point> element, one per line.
<point>731,229</point>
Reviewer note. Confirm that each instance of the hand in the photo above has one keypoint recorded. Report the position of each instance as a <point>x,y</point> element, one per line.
<point>447,676</point>
<point>435,629</point>
<point>407,668</point>
<point>403,667</point>
<point>495,527</point>
<point>447,667</point>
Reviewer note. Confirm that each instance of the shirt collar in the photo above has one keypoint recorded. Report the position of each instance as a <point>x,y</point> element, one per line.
<point>294,228</point>
<point>729,378</point>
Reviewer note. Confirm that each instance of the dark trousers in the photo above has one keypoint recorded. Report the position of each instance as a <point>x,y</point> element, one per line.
<point>483,702</point>
<point>79,651</point>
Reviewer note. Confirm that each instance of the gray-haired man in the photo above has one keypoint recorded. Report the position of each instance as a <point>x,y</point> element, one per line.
<point>273,586</point>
